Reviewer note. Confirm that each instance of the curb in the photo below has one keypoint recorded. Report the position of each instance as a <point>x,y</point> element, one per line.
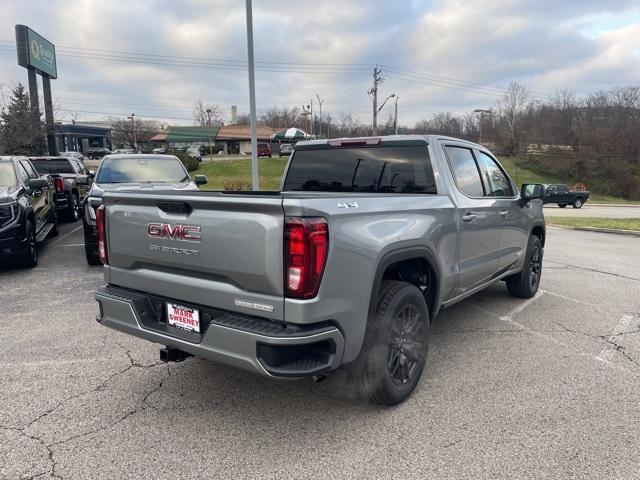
<point>634,233</point>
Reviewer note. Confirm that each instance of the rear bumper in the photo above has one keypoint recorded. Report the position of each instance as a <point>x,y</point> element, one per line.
<point>250,343</point>
<point>61,200</point>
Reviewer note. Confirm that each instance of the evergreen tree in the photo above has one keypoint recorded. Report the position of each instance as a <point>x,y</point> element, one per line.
<point>20,132</point>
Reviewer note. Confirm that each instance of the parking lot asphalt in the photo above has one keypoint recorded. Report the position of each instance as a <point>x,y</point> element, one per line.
<point>594,210</point>
<point>544,388</point>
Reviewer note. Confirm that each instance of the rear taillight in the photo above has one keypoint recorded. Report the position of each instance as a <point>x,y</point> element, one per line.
<point>58,184</point>
<point>306,246</point>
<point>101,234</point>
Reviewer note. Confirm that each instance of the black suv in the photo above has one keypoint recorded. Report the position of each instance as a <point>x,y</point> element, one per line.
<point>27,211</point>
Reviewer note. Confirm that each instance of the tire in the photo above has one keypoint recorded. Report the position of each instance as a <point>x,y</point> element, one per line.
<point>525,284</point>
<point>394,352</point>
<point>92,256</point>
<point>30,256</point>
<point>578,202</point>
<point>73,210</point>
<point>53,218</point>
<point>562,205</point>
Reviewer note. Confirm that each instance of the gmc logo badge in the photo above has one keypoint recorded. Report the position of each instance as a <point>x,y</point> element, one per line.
<point>189,233</point>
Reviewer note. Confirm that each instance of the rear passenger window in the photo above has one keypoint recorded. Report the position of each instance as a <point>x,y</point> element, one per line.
<point>465,171</point>
<point>496,179</point>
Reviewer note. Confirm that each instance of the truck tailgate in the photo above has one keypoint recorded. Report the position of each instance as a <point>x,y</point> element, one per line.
<point>229,256</point>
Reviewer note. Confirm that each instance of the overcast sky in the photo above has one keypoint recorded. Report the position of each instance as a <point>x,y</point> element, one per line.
<point>435,55</point>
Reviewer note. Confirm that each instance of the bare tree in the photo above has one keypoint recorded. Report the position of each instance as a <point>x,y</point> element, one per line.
<point>122,131</point>
<point>512,107</point>
<point>206,115</point>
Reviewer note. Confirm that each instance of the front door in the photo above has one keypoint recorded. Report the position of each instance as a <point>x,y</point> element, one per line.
<point>478,221</point>
<point>512,220</point>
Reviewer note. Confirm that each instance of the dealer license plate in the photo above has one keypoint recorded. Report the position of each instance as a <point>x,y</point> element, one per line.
<point>183,317</point>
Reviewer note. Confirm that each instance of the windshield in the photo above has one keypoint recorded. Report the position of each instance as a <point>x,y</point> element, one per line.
<point>141,170</point>
<point>52,166</point>
<point>192,150</point>
<point>7,175</point>
<point>397,169</point>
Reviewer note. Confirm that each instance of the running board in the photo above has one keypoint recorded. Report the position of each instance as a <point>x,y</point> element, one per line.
<point>44,233</point>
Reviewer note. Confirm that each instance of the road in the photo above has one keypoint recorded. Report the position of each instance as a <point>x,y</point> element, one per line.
<point>540,389</point>
<point>591,210</point>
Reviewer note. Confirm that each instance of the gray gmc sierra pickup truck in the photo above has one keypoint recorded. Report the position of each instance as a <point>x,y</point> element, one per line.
<point>346,266</point>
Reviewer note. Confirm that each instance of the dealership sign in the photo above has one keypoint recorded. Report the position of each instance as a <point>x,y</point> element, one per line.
<point>36,51</point>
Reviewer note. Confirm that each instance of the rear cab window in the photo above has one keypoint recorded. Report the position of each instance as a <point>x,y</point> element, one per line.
<point>465,170</point>
<point>380,169</point>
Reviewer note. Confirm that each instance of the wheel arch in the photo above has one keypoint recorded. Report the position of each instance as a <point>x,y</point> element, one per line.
<point>539,230</point>
<point>401,264</point>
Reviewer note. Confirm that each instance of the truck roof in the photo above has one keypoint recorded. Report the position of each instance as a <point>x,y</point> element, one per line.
<point>388,139</point>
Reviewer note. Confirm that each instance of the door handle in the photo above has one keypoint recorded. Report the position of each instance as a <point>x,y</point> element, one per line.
<point>504,213</point>
<point>468,217</point>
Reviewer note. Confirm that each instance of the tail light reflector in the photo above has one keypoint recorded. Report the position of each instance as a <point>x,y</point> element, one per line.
<point>306,247</point>
<point>58,184</point>
<point>101,234</point>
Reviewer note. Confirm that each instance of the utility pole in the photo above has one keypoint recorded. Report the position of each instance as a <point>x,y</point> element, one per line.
<point>320,126</point>
<point>133,127</point>
<point>313,120</point>
<point>481,111</point>
<point>255,177</point>
<point>395,118</point>
<point>373,91</point>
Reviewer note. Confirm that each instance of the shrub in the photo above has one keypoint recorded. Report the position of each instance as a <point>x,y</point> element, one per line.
<point>188,161</point>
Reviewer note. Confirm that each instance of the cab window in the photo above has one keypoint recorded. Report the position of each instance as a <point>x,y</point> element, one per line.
<point>498,183</point>
<point>465,171</point>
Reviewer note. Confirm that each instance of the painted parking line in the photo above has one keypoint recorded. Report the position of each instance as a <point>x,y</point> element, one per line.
<point>623,325</point>
<point>74,245</point>
<point>67,235</point>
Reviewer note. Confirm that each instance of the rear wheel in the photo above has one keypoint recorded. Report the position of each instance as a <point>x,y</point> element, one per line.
<point>74,208</point>
<point>30,256</point>
<point>578,202</point>
<point>53,219</point>
<point>525,284</point>
<point>394,352</point>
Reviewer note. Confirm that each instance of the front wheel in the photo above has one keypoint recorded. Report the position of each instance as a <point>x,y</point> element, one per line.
<point>525,284</point>
<point>578,202</point>
<point>394,352</point>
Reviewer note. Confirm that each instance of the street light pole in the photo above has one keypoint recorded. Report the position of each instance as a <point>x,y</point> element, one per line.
<point>481,111</point>
<point>395,118</point>
<point>380,108</point>
<point>133,127</point>
<point>320,126</point>
<point>255,177</point>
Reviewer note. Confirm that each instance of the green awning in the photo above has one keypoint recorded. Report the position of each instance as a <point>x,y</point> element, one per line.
<point>290,134</point>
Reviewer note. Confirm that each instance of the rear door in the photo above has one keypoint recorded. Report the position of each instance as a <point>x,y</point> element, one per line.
<point>232,257</point>
<point>512,226</point>
<point>38,196</point>
<point>478,220</point>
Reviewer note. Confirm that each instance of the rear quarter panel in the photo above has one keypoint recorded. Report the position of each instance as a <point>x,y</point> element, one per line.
<point>359,238</point>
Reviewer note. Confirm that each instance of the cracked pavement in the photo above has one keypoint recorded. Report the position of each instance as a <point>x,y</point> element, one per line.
<point>546,388</point>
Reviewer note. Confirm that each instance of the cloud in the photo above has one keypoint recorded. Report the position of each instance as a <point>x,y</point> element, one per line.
<point>460,53</point>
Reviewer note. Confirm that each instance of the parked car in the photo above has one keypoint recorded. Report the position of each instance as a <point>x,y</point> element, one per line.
<point>286,149</point>
<point>139,172</point>
<point>122,151</point>
<point>194,152</point>
<point>159,151</point>
<point>347,266</point>
<point>96,153</point>
<point>27,211</point>
<point>71,180</point>
<point>563,196</point>
<point>264,150</point>
<point>77,155</point>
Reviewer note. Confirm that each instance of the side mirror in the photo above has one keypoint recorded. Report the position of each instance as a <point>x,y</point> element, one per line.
<point>37,183</point>
<point>200,179</point>
<point>82,179</point>
<point>92,173</point>
<point>531,191</point>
